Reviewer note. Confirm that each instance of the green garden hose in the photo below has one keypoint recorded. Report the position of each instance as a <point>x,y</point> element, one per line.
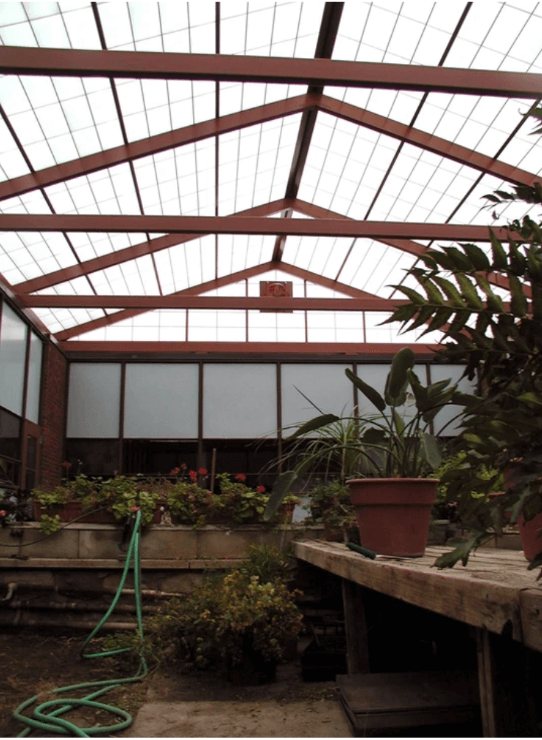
<point>47,715</point>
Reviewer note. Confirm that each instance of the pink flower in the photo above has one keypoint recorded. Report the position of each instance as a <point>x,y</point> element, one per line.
<point>183,466</point>
<point>2,512</point>
<point>175,471</point>
<point>241,477</point>
<point>261,489</point>
<point>134,508</point>
<point>66,464</point>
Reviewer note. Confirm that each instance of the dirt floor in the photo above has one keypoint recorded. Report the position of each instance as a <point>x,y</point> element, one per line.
<point>174,705</point>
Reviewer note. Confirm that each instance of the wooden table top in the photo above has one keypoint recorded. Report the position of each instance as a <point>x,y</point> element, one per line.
<point>495,590</point>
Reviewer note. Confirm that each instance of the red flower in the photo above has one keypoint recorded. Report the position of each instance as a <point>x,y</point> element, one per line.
<point>202,471</point>
<point>183,466</point>
<point>261,489</point>
<point>175,471</point>
<point>193,475</point>
<point>2,512</point>
<point>241,477</point>
<point>66,464</point>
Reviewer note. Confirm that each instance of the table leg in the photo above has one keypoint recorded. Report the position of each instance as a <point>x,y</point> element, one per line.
<point>357,647</point>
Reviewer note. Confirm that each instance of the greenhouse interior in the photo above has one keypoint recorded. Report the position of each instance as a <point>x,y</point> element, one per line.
<point>270,375</point>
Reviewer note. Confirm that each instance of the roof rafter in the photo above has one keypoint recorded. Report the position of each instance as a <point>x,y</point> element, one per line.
<point>431,143</point>
<point>327,35</point>
<point>214,303</point>
<point>155,144</point>
<point>223,68</point>
<point>262,114</point>
<point>342,227</point>
<point>82,349</point>
<point>194,290</point>
<point>129,253</point>
<point>218,283</point>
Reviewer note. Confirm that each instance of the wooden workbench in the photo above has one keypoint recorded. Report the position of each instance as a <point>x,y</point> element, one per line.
<point>494,593</point>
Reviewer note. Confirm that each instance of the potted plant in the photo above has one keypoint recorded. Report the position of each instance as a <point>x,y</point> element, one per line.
<point>330,504</point>
<point>393,502</point>
<point>236,622</point>
<point>188,502</point>
<point>499,338</point>
<point>239,503</point>
<point>66,502</point>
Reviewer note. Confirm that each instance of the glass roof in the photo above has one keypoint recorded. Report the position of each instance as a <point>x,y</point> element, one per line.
<point>305,163</point>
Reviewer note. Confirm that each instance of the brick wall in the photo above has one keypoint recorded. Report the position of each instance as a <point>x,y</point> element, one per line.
<point>53,402</point>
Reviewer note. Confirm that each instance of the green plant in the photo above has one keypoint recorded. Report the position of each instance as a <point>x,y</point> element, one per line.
<point>225,617</point>
<point>191,504</point>
<point>127,495</point>
<point>397,442</point>
<point>330,504</point>
<point>79,488</point>
<point>241,504</point>
<point>460,506</point>
<point>266,562</point>
<point>501,342</point>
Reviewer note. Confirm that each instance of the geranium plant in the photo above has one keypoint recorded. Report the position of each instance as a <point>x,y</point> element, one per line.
<point>240,503</point>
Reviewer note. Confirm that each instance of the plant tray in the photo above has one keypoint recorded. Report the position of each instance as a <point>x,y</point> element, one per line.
<point>376,702</point>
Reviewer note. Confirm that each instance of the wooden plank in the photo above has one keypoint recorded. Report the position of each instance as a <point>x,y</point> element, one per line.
<point>385,701</point>
<point>484,594</point>
<point>531,618</point>
<point>357,655</point>
<point>486,683</point>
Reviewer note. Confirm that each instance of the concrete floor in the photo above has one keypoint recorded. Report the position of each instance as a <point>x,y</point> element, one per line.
<point>322,718</point>
<point>206,705</point>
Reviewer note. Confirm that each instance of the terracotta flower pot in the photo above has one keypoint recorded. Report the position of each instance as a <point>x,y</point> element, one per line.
<point>529,531</point>
<point>393,514</point>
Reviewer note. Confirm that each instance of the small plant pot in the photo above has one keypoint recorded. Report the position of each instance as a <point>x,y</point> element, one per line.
<point>393,514</point>
<point>529,532</point>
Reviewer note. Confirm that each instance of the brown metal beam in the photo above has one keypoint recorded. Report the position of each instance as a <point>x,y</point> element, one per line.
<point>155,144</point>
<point>329,28</point>
<point>125,255</point>
<point>213,303</point>
<point>194,290</point>
<point>313,277</point>
<point>431,143</point>
<point>271,349</point>
<point>246,225</point>
<point>224,68</point>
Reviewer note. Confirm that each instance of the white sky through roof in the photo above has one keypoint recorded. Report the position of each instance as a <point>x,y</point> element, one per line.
<point>350,170</point>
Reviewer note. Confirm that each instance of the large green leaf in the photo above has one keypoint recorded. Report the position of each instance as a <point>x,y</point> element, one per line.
<point>518,303</point>
<point>397,380</point>
<point>499,255</point>
<point>468,291</point>
<point>477,257</point>
<point>374,396</point>
<point>310,426</point>
<point>430,450</point>
<point>450,290</point>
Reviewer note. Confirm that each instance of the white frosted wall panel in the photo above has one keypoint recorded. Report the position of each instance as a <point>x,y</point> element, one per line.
<point>239,401</point>
<point>442,372</point>
<point>34,379</point>
<point>325,385</point>
<point>94,400</point>
<point>12,360</point>
<point>161,401</point>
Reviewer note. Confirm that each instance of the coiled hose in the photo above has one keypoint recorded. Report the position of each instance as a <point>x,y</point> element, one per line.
<point>47,716</point>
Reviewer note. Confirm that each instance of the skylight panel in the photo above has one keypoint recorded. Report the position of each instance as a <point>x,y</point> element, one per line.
<point>335,177</point>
